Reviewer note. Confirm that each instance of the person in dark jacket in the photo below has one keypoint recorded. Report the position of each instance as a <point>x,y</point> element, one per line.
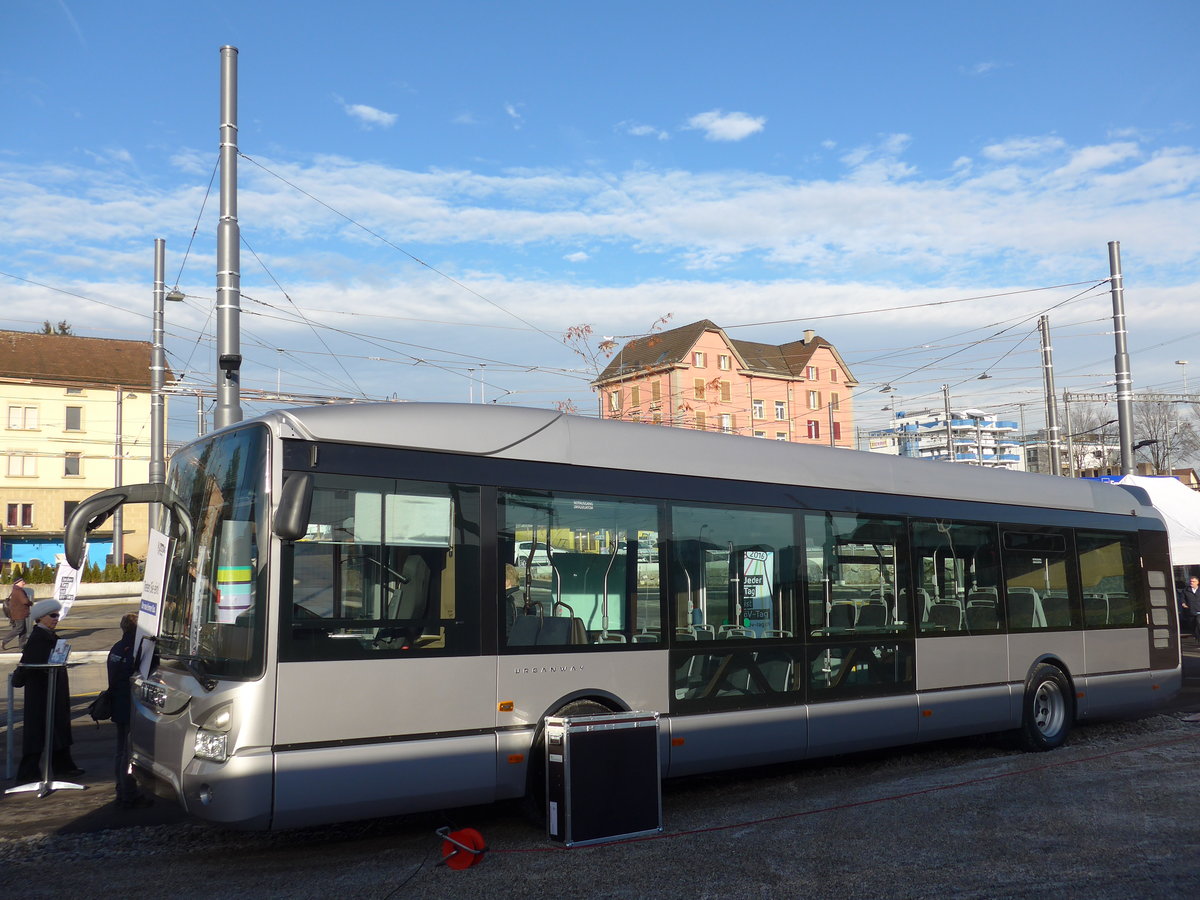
<point>38,647</point>
<point>121,666</point>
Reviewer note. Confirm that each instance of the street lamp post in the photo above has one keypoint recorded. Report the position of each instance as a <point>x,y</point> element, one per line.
<point>1183,364</point>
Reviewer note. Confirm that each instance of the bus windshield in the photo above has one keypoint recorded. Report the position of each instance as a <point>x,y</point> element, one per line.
<point>212,614</point>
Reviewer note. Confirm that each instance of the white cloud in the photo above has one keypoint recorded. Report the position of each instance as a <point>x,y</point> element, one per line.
<point>721,126</point>
<point>1024,148</point>
<point>514,113</point>
<point>369,116</point>
<point>577,257</point>
<point>983,68</point>
<point>639,130</point>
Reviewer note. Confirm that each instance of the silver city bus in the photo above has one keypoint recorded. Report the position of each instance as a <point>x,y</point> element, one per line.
<point>346,631</point>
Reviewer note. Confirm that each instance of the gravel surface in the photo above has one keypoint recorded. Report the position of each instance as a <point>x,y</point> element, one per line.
<point>1112,814</point>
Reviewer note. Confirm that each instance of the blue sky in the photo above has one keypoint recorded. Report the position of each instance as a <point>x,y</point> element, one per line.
<point>491,174</point>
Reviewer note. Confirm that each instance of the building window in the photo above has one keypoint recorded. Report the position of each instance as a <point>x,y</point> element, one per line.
<point>20,515</point>
<point>701,421</point>
<point>23,418</point>
<point>811,373</point>
<point>635,396</point>
<point>834,400</point>
<point>655,391</point>
<point>723,363</point>
<point>74,390</point>
<point>68,508</point>
<point>698,388</point>
<point>781,436</point>
<point>658,418</point>
<point>759,412</point>
<point>71,464</point>
<point>22,465</point>
<point>780,410</point>
<point>814,399</point>
<point>698,359</point>
<point>74,421</point>
<point>727,423</point>
<point>614,401</point>
<point>761,434</point>
<point>834,375</point>
<point>725,393</point>
<point>814,429</point>
<point>837,431</point>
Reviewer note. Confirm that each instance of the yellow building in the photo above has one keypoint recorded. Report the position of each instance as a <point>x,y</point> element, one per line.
<point>62,397</point>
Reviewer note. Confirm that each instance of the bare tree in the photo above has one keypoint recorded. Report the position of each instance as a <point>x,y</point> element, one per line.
<point>1094,443</point>
<point>1168,431</point>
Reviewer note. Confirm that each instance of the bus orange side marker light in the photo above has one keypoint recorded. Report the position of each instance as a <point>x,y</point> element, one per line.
<point>1079,695</point>
<point>676,742</point>
<point>506,706</point>
<point>516,758</point>
<point>461,849</point>
<point>927,713</point>
<point>1154,687</point>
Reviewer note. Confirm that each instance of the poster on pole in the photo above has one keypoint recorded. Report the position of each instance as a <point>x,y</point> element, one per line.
<point>66,585</point>
<point>150,608</point>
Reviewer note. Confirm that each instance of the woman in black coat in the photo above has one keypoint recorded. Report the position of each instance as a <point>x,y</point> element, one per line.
<point>37,650</point>
<point>121,666</point>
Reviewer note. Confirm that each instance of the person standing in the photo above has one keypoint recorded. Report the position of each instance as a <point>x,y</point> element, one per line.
<point>121,666</point>
<point>19,603</point>
<point>1189,606</point>
<point>38,648</point>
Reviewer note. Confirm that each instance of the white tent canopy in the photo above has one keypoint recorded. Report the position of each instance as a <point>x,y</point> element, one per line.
<point>1180,508</point>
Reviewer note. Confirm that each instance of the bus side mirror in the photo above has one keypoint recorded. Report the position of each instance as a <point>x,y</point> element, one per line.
<point>93,512</point>
<point>295,504</point>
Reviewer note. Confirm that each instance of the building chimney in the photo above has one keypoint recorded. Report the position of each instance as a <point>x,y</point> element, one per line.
<point>809,334</point>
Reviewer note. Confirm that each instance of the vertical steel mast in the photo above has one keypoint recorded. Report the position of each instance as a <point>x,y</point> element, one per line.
<point>229,296</point>
<point>158,365</point>
<point>1121,360</point>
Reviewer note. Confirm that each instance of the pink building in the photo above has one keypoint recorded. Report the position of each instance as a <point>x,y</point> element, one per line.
<point>696,376</point>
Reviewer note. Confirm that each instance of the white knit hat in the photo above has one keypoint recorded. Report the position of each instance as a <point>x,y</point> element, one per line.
<point>44,608</point>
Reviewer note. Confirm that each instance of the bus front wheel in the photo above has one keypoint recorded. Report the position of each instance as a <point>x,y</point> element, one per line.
<point>1048,711</point>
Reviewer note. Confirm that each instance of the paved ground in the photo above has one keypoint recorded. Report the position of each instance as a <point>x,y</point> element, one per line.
<point>92,628</point>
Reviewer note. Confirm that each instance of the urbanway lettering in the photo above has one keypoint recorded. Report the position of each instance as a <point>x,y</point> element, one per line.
<point>546,670</point>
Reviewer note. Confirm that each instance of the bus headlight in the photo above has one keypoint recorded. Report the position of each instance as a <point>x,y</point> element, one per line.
<point>211,745</point>
<point>212,734</point>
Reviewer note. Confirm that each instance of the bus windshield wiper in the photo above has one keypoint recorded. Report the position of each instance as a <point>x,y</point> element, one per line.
<point>195,667</point>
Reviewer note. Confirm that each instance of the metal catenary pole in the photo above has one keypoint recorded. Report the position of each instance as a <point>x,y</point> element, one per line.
<point>229,354</point>
<point>1052,435</point>
<point>158,465</point>
<point>1124,378</point>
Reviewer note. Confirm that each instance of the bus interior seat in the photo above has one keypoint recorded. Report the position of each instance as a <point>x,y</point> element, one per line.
<point>546,631</point>
<point>873,614</point>
<point>646,637</point>
<point>843,614</point>
<point>704,631</point>
<point>946,615</point>
<point>982,615</point>
<point>1120,609</point>
<point>1025,608</point>
<point>736,631</point>
<point>1056,608</point>
<point>1095,609</point>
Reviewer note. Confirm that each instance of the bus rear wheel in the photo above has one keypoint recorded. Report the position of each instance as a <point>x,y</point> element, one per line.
<point>1048,711</point>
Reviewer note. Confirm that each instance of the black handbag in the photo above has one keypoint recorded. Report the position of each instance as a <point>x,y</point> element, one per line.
<point>101,709</point>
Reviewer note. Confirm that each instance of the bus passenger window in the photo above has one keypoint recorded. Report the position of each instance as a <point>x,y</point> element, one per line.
<point>856,576</point>
<point>578,571</point>
<point>958,577</point>
<point>1036,587</point>
<point>1109,576</point>
<point>380,571</point>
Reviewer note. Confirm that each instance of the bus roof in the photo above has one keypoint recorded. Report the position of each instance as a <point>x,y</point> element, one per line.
<point>511,432</point>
